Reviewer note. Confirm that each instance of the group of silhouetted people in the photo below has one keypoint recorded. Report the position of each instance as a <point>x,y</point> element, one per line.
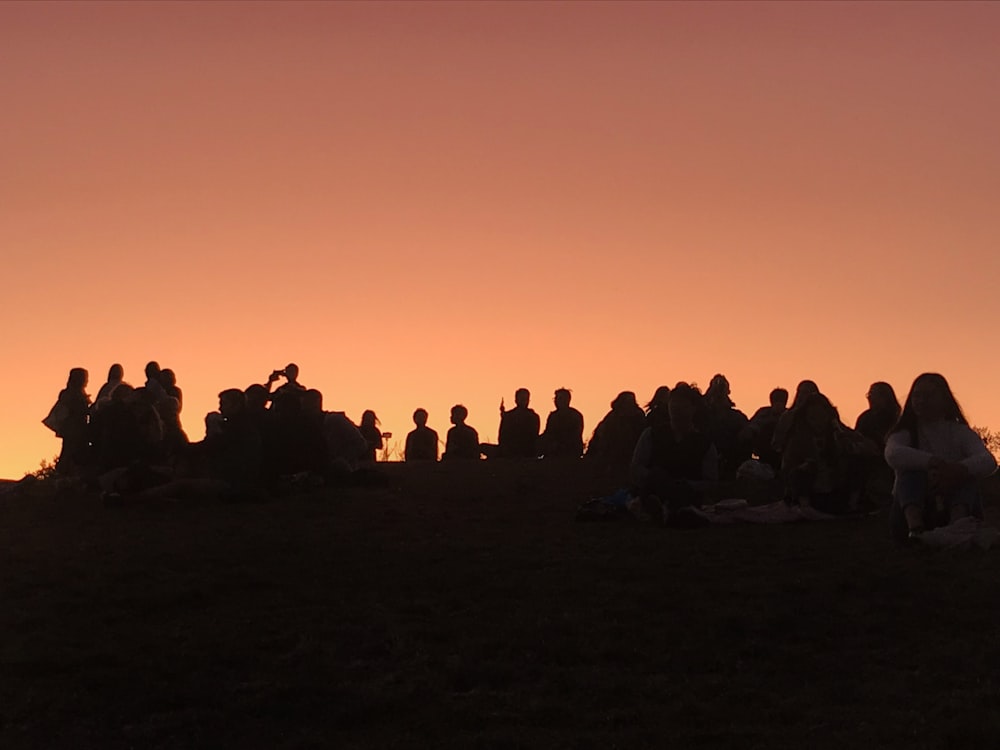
<point>674,451</point>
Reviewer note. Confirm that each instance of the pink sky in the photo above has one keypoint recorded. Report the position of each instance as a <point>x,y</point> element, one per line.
<point>425,204</point>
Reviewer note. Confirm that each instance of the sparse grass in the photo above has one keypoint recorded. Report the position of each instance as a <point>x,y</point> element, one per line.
<point>463,607</point>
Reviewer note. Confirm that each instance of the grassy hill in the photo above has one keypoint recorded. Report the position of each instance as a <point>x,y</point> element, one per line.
<point>463,607</point>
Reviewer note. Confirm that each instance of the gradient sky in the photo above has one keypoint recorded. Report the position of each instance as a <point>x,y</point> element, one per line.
<point>425,204</point>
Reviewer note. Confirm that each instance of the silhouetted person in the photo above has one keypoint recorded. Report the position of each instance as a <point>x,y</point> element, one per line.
<point>874,425</point>
<point>128,430</point>
<point>462,443</point>
<point>116,375</point>
<point>660,399</point>
<point>313,451</point>
<point>724,424</point>
<point>616,435</point>
<point>175,440</point>
<point>153,384</point>
<point>563,436</point>
<point>674,464</point>
<point>759,432</point>
<point>291,386</point>
<point>938,460</point>
<point>817,461</point>
<point>519,428</point>
<point>348,447</point>
<point>71,411</point>
<point>372,433</point>
<point>881,415</point>
<point>803,390</point>
<point>232,445</point>
<point>168,379</point>
<point>422,442</point>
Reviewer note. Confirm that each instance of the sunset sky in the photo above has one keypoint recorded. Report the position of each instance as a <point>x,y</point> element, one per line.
<point>423,204</point>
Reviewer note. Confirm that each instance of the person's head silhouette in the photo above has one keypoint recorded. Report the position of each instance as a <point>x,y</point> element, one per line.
<point>562,397</point>
<point>522,396</point>
<point>779,398</point>
<point>420,417</point>
<point>78,379</point>
<point>232,402</point>
<point>459,414</point>
<point>292,372</point>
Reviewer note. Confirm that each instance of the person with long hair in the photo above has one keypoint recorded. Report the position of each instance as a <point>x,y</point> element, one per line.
<point>937,458</point>
<point>73,428</point>
<point>370,429</point>
<point>817,465</point>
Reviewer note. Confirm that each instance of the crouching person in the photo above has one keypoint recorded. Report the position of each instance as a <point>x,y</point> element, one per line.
<point>674,465</point>
<point>938,461</point>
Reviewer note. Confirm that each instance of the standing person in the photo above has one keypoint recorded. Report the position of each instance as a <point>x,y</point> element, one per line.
<point>462,442</point>
<point>563,436</point>
<point>372,433</point>
<point>116,375</point>
<point>421,442</point>
<point>519,428</point>
<point>168,379</point>
<point>69,421</point>
<point>153,384</point>
<point>937,458</point>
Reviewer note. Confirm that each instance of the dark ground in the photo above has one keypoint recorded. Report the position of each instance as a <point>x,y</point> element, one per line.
<point>463,607</point>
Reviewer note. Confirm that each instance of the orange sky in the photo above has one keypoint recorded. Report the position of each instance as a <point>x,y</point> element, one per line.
<point>425,204</point>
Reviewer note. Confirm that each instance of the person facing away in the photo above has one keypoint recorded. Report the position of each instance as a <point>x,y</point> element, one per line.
<point>74,428</point>
<point>462,441</point>
<point>422,441</point>
<point>372,433</point>
<point>153,381</point>
<point>616,435</point>
<point>519,426</point>
<point>116,376</point>
<point>660,399</point>
<point>563,435</point>
<point>937,459</point>
<point>674,462</point>
<point>724,424</point>
<point>803,390</point>
<point>168,379</point>
<point>759,432</point>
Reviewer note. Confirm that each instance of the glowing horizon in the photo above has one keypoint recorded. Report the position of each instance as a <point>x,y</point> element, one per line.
<point>427,204</point>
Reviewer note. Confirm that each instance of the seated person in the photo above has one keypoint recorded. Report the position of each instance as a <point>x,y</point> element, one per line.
<point>422,442</point>
<point>347,445</point>
<point>938,460</point>
<point>232,446</point>
<point>817,463</point>
<point>616,435</point>
<point>462,443</point>
<point>724,424</point>
<point>563,436</point>
<point>759,432</point>
<point>518,436</point>
<point>674,464</point>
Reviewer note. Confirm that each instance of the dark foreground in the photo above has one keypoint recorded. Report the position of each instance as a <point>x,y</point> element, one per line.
<point>469,610</point>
